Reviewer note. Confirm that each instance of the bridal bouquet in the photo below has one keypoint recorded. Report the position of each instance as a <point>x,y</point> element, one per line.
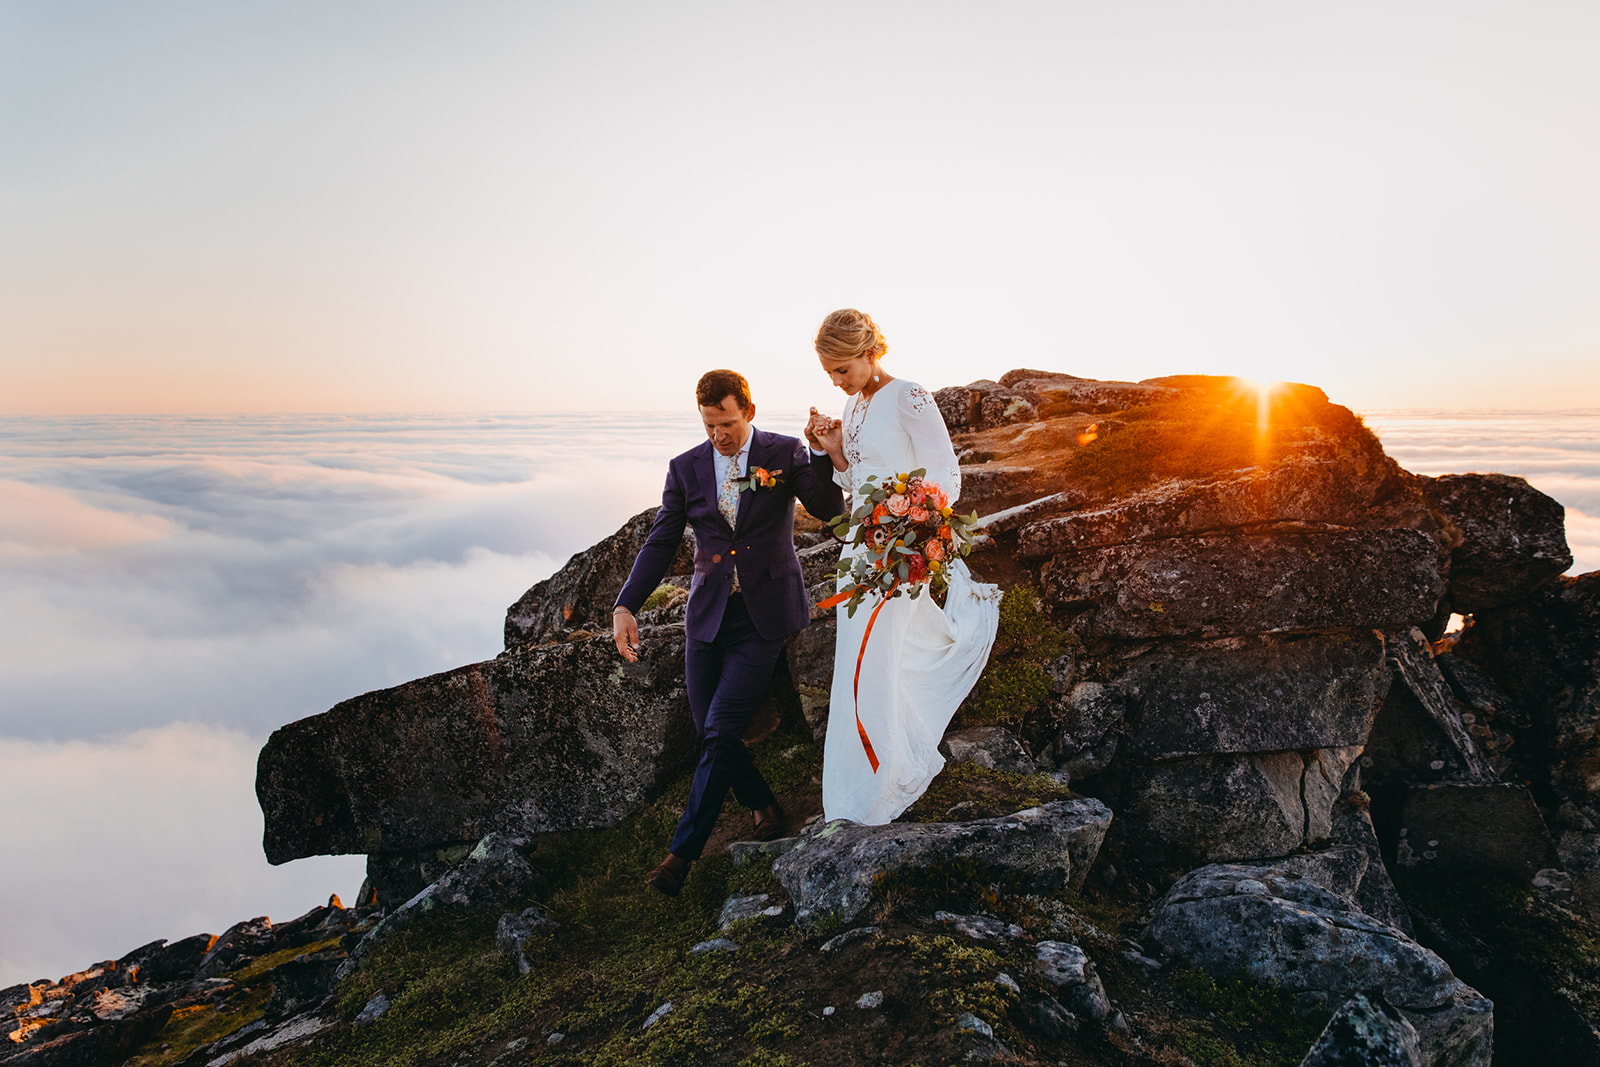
<point>911,534</point>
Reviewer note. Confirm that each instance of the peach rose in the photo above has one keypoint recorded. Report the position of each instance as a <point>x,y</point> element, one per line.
<point>899,505</point>
<point>934,550</point>
<point>918,514</point>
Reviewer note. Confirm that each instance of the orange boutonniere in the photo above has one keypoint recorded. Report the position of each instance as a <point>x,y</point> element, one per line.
<point>760,478</point>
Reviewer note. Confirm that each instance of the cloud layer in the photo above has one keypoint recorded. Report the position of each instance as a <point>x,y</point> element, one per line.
<point>246,572</point>
<point>155,835</point>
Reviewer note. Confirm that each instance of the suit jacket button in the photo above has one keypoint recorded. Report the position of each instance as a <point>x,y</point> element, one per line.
<point>717,558</point>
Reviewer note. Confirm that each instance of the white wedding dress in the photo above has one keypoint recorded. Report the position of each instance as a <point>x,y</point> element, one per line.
<point>921,660</point>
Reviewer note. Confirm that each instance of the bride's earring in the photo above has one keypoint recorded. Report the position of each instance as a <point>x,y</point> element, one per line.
<point>876,378</point>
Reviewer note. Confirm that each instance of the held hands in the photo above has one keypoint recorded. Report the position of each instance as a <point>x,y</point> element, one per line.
<point>825,434</point>
<point>625,632</point>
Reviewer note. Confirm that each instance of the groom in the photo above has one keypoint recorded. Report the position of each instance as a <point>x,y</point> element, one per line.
<point>745,598</point>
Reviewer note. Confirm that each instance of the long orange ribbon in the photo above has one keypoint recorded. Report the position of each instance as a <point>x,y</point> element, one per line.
<point>834,601</point>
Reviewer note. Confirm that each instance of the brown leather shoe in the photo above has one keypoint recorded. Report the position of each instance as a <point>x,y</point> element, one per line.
<point>769,822</point>
<point>669,875</point>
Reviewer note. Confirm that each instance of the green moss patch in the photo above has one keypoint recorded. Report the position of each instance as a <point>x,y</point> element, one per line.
<point>966,791</point>
<point>191,1027</point>
<point>1016,680</point>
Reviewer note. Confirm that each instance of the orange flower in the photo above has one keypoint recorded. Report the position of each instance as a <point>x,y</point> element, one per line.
<point>934,550</point>
<point>944,533</point>
<point>880,514</point>
<point>898,505</point>
<point>936,498</point>
<point>918,514</point>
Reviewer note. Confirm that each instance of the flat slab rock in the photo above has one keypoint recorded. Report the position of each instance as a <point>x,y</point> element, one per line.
<point>830,870</point>
<point>1342,492</point>
<point>1220,584</point>
<point>1305,939</point>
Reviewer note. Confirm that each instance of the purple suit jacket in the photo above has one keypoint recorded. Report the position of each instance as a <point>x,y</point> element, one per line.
<point>762,550</point>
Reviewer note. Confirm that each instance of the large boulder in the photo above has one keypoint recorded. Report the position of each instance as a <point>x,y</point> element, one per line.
<point>1264,693</point>
<point>830,871</point>
<point>985,403</point>
<point>541,738</point>
<point>1208,808</point>
<point>1304,939</point>
<point>1248,583</point>
<point>1513,538</point>
<point>580,595</point>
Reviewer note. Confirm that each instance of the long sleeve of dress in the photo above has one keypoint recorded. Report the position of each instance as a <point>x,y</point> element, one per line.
<point>930,441</point>
<point>845,479</point>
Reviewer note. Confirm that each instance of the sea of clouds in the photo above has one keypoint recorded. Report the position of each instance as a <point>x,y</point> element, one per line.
<point>174,589</point>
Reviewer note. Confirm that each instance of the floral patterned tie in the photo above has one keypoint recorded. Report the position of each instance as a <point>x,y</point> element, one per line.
<point>728,495</point>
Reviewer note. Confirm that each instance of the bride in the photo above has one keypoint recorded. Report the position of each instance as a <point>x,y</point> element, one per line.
<point>921,660</point>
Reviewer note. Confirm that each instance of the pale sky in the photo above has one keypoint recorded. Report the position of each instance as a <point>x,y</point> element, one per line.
<point>392,206</point>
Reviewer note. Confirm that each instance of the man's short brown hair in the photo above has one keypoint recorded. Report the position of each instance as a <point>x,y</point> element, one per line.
<point>716,384</point>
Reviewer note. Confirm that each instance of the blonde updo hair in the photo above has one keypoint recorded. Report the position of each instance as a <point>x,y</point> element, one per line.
<point>848,333</point>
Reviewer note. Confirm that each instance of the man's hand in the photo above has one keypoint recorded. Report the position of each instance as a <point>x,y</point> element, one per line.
<point>625,632</point>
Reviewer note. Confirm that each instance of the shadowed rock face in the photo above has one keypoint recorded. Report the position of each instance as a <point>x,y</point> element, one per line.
<point>1512,538</point>
<point>542,738</point>
<point>1223,807</point>
<point>1544,651</point>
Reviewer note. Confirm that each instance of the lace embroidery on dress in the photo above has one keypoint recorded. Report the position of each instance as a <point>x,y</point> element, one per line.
<point>854,419</point>
<point>918,399</point>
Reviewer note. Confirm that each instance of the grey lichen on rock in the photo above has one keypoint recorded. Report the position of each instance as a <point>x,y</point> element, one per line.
<point>1304,939</point>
